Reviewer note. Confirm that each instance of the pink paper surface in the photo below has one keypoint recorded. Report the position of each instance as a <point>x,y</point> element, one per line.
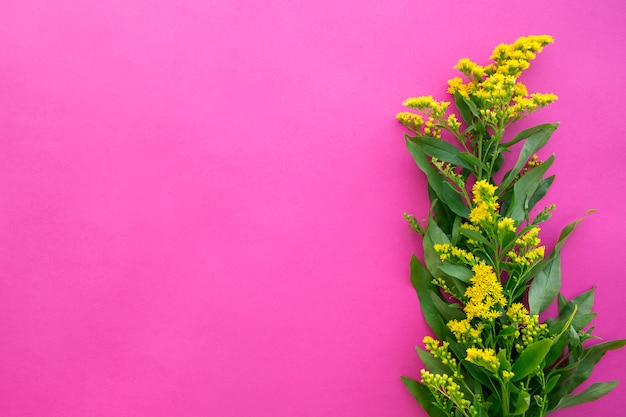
<point>201,201</point>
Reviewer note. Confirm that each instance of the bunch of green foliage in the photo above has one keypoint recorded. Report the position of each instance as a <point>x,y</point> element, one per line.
<point>486,277</point>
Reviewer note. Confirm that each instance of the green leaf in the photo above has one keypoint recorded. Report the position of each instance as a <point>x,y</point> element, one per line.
<point>552,383</point>
<point>473,160</point>
<point>560,340</point>
<point>524,189</point>
<point>459,272</point>
<point>536,137</point>
<point>440,212</point>
<point>446,310</point>
<point>580,305</point>
<point>441,150</point>
<point>422,282</point>
<point>441,188</point>
<point>567,230</point>
<point>523,402</point>
<point>530,131</point>
<point>530,359</point>
<point>432,175</point>
<point>576,373</point>
<point>540,192</point>
<point>431,363</point>
<point>454,237</point>
<point>424,397</point>
<point>451,197</point>
<point>545,287</point>
<point>467,109</point>
<point>498,164</point>
<point>592,393</point>
<point>433,236</point>
<point>591,357</point>
<point>474,235</point>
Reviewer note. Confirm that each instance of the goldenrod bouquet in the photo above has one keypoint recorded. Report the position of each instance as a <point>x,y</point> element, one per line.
<point>486,277</point>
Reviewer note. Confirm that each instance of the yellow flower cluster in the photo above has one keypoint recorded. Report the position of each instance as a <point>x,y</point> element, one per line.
<point>441,283</point>
<point>494,88</point>
<point>528,250</point>
<point>427,105</point>
<point>456,84</point>
<point>432,109</point>
<point>507,375</point>
<point>451,253</point>
<point>449,171</point>
<point>464,332</point>
<point>529,326</point>
<point>483,357</point>
<point>525,48</point>
<point>470,226</point>
<point>442,353</point>
<point>446,390</point>
<point>485,203</point>
<point>484,295</point>
<point>411,120</point>
<point>506,224</point>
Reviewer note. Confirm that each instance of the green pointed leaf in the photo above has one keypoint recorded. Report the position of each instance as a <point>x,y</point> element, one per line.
<point>576,373</point>
<point>452,198</point>
<point>536,137</point>
<point>423,162</point>
<point>580,305</point>
<point>539,129</point>
<point>545,287</point>
<point>454,237</point>
<point>530,358</point>
<point>540,192</point>
<point>560,340</point>
<point>467,109</point>
<point>524,189</point>
<point>434,235</point>
<point>552,383</point>
<point>424,397</point>
<point>474,235</point>
<point>441,150</point>
<point>459,272</point>
<point>440,212</point>
<point>473,160</point>
<point>498,164</point>
<point>508,331</point>
<point>592,393</point>
<point>567,231</point>
<point>422,282</point>
<point>432,364</point>
<point>523,402</point>
<point>446,310</point>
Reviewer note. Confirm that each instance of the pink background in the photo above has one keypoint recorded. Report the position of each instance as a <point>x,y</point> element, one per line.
<point>201,201</point>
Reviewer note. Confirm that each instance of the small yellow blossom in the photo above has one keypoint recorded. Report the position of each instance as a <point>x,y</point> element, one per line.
<point>529,239</point>
<point>464,332</point>
<point>411,120</point>
<point>469,68</point>
<point>446,390</point>
<point>481,214</point>
<point>456,84</point>
<point>484,294</point>
<point>506,224</point>
<point>517,313</point>
<point>482,191</point>
<point>428,105</point>
<point>451,253</point>
<point>485,202</point>
<point>483,357</point>
<point>507,375</point>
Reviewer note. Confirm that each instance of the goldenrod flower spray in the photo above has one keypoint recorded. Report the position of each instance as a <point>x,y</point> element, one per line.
<point>486,276</point>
